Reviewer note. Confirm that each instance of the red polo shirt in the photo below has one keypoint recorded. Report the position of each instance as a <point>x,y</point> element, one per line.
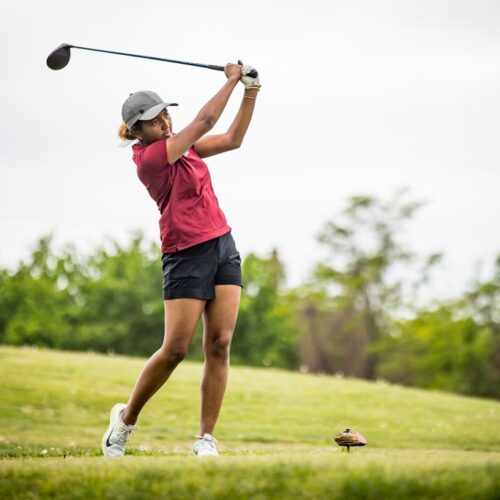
<point>183,192</point>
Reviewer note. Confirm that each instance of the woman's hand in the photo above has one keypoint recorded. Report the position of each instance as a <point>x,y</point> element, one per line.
<point>250,82</point>
<point>232,71</point>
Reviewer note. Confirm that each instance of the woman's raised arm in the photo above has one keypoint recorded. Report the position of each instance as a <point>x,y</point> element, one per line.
<point>210,145</point>
<point>205,119</point>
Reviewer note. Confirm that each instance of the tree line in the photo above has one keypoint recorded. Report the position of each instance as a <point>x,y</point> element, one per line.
<point>359,314</point>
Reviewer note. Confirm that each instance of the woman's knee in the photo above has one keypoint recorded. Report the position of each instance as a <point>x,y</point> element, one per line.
<point>218,346</point>
<point>173,354</point>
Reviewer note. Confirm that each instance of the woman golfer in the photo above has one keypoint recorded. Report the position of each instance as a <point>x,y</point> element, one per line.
<point>201,265</point>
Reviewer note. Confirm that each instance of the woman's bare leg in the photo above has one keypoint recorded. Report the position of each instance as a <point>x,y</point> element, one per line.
<point>219,319</point>
<point>181,318</point>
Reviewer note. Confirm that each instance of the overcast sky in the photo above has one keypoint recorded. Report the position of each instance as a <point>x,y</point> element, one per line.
<point>358,97</point>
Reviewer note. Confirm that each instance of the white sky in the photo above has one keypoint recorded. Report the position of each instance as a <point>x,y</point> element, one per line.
<point>358,97</point>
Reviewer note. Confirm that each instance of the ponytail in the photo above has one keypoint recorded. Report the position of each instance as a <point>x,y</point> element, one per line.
<point>125,133</point>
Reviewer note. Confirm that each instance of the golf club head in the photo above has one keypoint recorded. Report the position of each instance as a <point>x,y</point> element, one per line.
<point>59,57</point>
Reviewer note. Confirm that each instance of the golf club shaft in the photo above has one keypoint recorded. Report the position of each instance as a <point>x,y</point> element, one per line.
<point>209,66</point>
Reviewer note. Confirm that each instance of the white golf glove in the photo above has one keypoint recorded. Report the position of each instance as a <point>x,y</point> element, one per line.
<point>248,81</point>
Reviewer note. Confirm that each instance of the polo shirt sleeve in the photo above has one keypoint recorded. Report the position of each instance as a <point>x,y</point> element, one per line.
<point>154,157</point>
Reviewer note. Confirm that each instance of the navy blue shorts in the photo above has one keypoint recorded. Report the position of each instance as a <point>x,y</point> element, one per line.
<point>194,271</point>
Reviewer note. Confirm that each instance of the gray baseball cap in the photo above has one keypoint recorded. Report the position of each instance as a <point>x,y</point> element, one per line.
<point>142,105</point>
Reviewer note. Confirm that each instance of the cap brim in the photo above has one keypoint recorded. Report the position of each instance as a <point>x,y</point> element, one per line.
<point>150,113</point>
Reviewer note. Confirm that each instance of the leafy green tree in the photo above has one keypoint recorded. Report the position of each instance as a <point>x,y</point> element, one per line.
<point>36,304</point>
<point>362,274</point>
<point>482,303</point>
<point>440,350</point>
<point>120,299</point>
<point>453,346</point>
<point>267,332</point>
<point>348,318</point>
<point>110,301</point>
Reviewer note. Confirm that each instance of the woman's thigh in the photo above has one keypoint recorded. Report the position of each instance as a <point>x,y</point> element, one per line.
<point>181,318</point>
<point>221,313</point>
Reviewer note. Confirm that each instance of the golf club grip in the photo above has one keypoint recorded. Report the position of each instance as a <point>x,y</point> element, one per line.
<point>216,68</point>
<point>252,73</point>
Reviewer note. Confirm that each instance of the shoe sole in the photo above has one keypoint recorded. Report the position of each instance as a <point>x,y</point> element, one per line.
<point>115,408</point>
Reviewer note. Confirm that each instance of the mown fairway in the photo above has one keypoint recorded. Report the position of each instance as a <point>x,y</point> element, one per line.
<point>275,434</point>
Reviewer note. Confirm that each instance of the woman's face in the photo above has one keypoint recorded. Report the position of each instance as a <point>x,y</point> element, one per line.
<point>156,129</point>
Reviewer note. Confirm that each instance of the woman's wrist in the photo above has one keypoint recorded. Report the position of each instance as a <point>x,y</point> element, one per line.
<point>252,91</point>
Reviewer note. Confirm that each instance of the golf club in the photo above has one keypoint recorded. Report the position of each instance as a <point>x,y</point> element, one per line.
<point>60,57</point>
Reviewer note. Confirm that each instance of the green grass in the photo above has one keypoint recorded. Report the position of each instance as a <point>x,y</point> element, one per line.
<point>275,434</point>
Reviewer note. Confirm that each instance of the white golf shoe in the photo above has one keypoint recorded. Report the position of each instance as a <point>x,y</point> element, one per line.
<point>204,446</point>
<point>117,434</point>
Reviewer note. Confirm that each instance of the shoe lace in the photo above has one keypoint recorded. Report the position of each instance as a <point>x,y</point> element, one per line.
<point>209,440</point>
<point>123,433</point>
